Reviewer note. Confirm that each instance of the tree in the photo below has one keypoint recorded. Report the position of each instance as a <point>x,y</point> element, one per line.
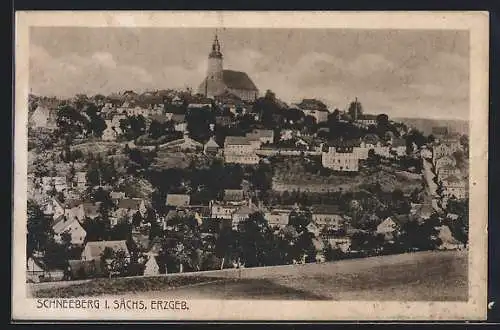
<point>382,120</point>
<point>182,243</point>
<point>254,234</point>
<point>39,228</point>
<point>116,262</point>
<point>355,109</point>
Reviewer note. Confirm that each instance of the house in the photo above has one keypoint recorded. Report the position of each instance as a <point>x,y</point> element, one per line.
<point>116,196</point>
<point>220,210</point>
<point>421,211</point>
<point>43,117</point>
<point>241,214</point>
<point>129,206</point>
<point>388,226</point>
<point>151,267</point>
<point>178,200</point>
<point>371,141</point>
<point>185,144</point>
<point>313,229</point>
<point>439,150</point>
<point>439,131</point>
<point>94,250</point>
<point>340,156</point>
<point>342,243</point>
<point>211,147</point>
<point>57,182</point>
<point>314,108</point>
<point>425,152</point>
<point>180,123</point>
<point>70,226</point>
<point>262,135</point>
<point>239,149</point>
<point>35,270</point>
<point>448,170</point>
<point>444,161</point>
<point>200,102</point>
<point>367,120</point>
<point>80,180</point>
<point>112,130</point>
<point>278,217</point>
<point>454,186</point>
<point>328,216</point>
<point>398,145</point>
<point>448,242</point>
<point>53,207</point>
<point>234,196</point>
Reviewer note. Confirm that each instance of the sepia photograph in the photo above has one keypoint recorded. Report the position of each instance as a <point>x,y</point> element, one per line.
<point>168,169</point>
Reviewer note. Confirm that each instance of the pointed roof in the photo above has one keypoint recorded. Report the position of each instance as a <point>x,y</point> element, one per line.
<point>211,143</point>
<point>97,248</point>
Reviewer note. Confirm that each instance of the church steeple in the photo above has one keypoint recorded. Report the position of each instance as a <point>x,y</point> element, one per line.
<point>215,53</point>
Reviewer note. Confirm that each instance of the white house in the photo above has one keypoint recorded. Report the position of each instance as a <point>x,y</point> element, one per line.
<point>242,214</point>
<point>73,227</point>
<point>327,216</point>
<point>262,135</point>
<point>340,156</point>
<point>239,149</point>
<point>278,217</point>
<point>342,243</point>
<point>444,161</point>
<point>388,226</point>
<point>453,186</point>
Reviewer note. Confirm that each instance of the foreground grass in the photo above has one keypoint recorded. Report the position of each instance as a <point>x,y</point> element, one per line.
<point>116,286</point>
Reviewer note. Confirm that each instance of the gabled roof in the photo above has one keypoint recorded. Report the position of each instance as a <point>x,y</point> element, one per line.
<point>452,179</point>
<point>237,140</point>
<point>325,209</point>
<point>61,225</point>
<point>246,210</point>
<point>178,199</point>
<point>233,195</point>
<point>130,203</point>
<point>238,80</point>
<point>211,143</point>
<point>95,249</point>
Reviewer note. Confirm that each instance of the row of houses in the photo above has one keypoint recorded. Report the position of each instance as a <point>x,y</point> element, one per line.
<point>447,172</point>
<point>70,215</point>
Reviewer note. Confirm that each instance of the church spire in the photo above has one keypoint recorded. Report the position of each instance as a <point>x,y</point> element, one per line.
<point>216,48</point>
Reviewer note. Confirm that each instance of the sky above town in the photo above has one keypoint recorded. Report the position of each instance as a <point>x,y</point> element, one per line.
<point>404,73</point>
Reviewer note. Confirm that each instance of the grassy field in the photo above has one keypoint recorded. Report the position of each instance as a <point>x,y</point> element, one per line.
<point>423,276</point>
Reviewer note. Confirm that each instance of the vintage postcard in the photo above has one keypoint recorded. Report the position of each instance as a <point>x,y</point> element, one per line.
<point>250,166</point>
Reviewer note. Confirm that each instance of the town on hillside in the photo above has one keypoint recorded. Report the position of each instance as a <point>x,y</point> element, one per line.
<point>169,181</point>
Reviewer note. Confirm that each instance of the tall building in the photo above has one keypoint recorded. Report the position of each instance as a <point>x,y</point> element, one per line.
<point>219,81</point>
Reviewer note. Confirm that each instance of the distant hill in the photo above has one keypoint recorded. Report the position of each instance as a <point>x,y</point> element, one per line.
<point>425,125</point>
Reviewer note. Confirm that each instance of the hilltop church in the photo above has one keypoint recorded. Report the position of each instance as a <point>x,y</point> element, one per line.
<point>219,81</point>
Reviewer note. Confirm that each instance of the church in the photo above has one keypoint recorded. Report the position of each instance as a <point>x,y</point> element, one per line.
<point>219,81</point>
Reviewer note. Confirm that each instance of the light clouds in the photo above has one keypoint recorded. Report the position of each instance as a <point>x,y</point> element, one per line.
<point>412,81</point>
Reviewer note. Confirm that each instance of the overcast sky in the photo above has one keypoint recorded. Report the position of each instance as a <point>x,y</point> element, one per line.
<point>401,73</point>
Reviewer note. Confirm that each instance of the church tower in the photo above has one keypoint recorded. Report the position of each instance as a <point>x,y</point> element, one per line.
<point>214,83</point>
